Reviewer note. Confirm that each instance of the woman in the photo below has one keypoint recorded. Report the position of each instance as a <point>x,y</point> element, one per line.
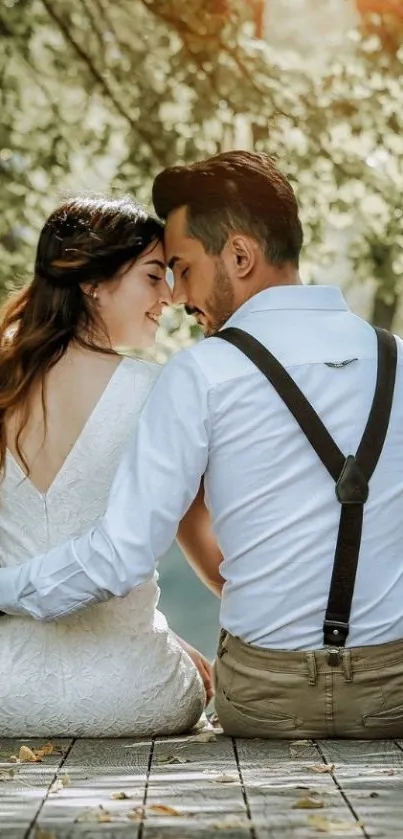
<point>68,406</point>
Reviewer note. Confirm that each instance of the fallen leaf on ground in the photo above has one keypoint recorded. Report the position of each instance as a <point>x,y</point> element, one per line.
<point>173,759</point>
<point>308,803</point>
<point>204,737</point>
<point>97,815</point>
<point>40,833</point>
<point>164,810</point>
<point>60,783</point>
<point>27,755</point>
<point>36,755</point>
<point>45,750</point>
<point>137,815</point>
<point>6,774</point>
<point>225,779</point>
<point>324,825</point>
<point>55,787</point>
<point>120,796</point>
<point>228,822</point>
<point>322,767</point>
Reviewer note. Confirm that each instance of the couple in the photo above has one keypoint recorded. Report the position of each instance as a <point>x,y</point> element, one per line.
<point>309,571</point>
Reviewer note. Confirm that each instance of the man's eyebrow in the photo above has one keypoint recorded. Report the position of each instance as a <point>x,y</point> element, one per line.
<point>172,262</point>
<point>155,262</point>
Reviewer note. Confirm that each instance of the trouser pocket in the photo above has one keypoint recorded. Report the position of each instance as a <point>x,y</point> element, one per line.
<point>253,719</point>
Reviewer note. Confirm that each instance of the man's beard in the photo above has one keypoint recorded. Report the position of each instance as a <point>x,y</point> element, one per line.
<point>220,305</point>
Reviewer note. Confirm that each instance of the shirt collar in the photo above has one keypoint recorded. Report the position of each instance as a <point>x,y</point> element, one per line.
<point>301,297</point>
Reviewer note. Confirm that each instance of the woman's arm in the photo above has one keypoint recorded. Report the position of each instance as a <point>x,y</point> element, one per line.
<point>199,545</point>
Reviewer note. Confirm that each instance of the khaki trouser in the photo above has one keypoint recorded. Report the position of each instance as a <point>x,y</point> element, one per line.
<point>286,694</point>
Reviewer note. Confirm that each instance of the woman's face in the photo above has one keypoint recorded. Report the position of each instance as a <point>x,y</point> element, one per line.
<point>131,305</point>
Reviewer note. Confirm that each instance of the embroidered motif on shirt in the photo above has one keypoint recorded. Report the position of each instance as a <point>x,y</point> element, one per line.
<point>340,363</point>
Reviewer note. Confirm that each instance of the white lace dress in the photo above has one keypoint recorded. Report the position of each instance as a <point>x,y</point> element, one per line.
<point>113,669</point>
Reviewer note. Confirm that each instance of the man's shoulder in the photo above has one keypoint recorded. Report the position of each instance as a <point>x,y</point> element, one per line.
<point>399,342</point>
<point>217,360</point>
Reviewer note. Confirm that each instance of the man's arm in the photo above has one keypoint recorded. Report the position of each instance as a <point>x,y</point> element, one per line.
<point>198,543</point>
<point>155,484</point>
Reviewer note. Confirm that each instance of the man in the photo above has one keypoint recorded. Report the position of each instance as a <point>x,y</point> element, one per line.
<point>233,239</point>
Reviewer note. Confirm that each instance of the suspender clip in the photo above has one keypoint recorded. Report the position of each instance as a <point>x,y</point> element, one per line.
<point>352,486</point>
<point>333,656</point>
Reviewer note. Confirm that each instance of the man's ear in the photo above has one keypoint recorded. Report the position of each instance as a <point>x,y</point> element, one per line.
<point>244,253</point>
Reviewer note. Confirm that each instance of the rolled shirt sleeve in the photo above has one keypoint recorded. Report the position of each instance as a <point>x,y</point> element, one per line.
<point>155,484</point>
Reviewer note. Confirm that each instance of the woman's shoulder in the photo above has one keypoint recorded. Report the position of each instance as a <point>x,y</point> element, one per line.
<point>140,368</point>
<point>139,377</point>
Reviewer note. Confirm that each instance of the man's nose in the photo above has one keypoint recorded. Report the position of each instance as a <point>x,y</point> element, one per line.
<point>164,294</point>
<point>179,296</point>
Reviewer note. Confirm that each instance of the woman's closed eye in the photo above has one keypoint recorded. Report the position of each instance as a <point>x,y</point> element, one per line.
<point>155,278</point>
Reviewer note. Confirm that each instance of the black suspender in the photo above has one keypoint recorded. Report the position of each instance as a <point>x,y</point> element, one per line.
<point>351,474</point>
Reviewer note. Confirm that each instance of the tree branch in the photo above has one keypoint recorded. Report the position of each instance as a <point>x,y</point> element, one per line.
<point>95,26</point>
<point>184,30</point>
<point>99,79</point>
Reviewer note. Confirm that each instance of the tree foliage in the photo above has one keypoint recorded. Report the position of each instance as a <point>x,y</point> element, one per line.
<point>102,95</point>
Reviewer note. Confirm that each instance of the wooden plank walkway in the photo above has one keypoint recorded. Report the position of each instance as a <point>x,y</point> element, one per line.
<point>205,785</point>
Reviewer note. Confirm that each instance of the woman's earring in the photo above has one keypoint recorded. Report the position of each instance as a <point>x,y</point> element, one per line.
<point>94,293</point>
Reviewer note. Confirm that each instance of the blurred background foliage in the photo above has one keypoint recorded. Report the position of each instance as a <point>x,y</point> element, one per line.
<point>99,95</point>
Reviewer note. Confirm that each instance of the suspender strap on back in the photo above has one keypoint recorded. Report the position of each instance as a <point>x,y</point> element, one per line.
<point>351,474</point>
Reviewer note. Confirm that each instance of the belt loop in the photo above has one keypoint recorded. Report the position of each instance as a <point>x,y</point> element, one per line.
<point>311,665</point>
<point>347,666</point>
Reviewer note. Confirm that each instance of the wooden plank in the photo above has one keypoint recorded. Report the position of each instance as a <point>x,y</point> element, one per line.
<point>204,792</point>
<point>23,786</point>
<point>96,773</point>
<point>288,794</point>
<point>370,775</point>
<point>363,754</point>
<point>187,775</point>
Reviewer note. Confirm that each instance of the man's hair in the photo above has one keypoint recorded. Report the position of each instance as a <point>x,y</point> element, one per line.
<point>234,192</point>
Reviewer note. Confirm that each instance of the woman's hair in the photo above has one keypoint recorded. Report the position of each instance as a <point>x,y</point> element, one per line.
<point>86,241</point>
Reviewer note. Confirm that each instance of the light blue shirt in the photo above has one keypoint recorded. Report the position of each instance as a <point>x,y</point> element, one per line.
<point>272,502</point>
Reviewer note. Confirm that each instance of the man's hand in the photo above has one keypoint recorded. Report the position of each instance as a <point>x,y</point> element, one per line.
<point>203,665</point>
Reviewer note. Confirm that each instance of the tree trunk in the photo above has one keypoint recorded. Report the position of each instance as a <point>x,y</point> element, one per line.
<point>383,313</point>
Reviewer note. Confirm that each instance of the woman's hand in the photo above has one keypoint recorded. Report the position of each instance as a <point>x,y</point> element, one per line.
<point>203,665</point>
<point>199,545</point>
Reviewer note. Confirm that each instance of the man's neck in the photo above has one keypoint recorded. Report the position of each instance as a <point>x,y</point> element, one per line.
<point>273,278</point>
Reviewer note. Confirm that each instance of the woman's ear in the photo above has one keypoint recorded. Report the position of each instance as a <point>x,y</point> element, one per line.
<point>90,290</point>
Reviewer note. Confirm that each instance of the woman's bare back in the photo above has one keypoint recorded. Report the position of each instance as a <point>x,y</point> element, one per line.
<point>72,390</point>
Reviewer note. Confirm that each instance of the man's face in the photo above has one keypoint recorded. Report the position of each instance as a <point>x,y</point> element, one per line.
<point>201,281</point>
